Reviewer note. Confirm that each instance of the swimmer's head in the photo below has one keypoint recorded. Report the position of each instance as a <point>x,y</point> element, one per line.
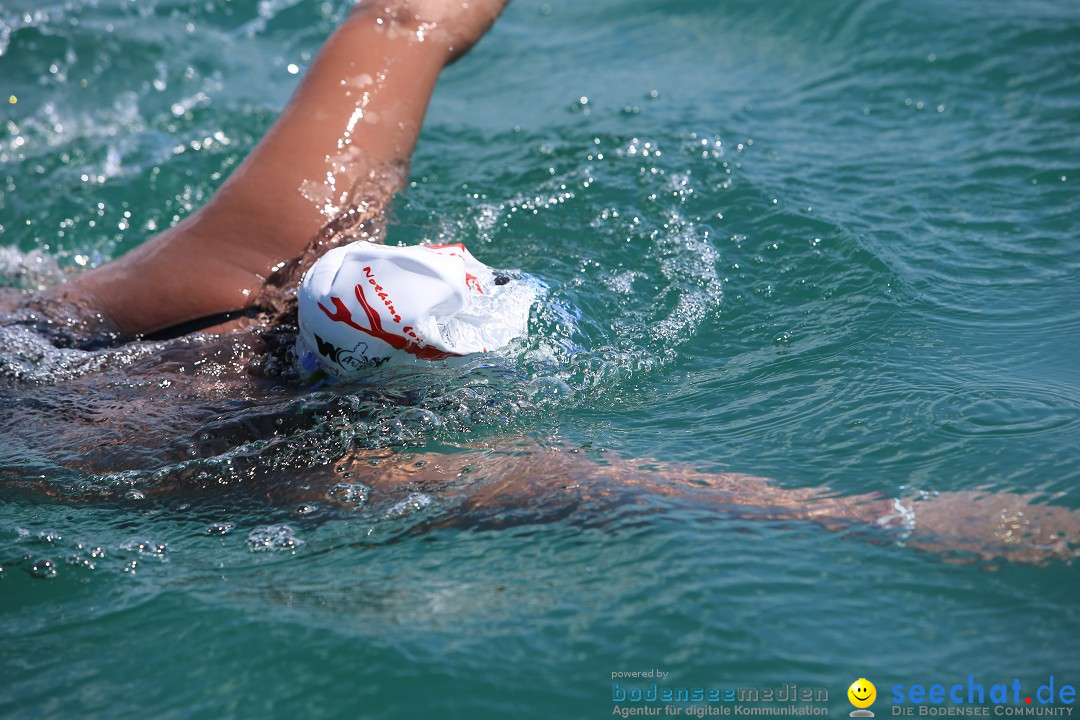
<point>363,305</point>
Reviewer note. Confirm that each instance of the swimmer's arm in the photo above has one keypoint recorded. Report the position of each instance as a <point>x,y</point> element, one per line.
<point>346,136</point>
<point>522,481</point>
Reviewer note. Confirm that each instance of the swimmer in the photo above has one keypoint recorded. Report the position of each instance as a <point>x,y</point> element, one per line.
<point>204,315</point>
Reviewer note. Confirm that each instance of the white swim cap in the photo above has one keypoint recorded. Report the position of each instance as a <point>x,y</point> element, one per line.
<point>363,304</point>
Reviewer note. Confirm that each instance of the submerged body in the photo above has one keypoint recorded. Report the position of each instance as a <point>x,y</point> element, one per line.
<point>211,416</point>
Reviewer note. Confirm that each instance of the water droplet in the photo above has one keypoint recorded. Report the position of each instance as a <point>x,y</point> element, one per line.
<point>273,537</point>
<point>411,504</point>
<point>44,569</point>
<point>349,493</point>
<point>148,548</point>
<point>50,537</point>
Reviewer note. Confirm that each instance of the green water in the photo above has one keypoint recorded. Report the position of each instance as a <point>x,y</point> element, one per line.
<point>830,244</point>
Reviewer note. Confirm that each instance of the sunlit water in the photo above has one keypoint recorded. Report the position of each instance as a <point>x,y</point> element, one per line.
<point>831,245</point>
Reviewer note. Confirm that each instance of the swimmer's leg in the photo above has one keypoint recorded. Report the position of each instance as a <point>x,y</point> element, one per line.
<point>351,124</point>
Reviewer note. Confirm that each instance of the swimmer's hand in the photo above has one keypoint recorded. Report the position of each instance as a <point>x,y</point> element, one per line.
<point>452,25</point>
<point>983,527</point>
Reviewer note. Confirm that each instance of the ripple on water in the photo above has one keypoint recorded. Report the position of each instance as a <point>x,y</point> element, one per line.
<point>1015,410</point>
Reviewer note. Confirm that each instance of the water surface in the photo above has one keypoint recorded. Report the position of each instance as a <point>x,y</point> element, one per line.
<point>833,246</point>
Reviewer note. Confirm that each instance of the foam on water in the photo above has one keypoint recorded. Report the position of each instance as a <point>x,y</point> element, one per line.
<point>34,270</point>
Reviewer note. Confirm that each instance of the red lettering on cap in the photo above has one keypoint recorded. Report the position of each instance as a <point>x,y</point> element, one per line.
<point>383,295</point>
<point>412,344</point>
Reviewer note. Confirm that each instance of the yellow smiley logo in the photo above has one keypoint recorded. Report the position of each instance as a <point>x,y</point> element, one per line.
<point>862,694</point>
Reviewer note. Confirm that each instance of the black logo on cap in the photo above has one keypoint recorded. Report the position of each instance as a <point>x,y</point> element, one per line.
<point>349,359</point>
